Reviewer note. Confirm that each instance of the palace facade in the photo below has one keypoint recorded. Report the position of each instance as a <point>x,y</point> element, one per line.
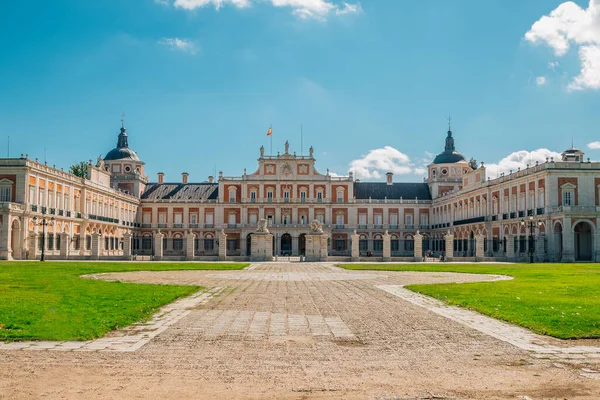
<point>548,211</point>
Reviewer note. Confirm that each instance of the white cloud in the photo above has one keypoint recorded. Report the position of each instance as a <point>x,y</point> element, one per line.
<point>519,159</point>
<point>567,25</point>
<point>378,162</point>
<point>594,145</point>
<point>303,9</point>
<point>553,65</point>
<point>589,77</point>
<point>540,80</point>
<point>184,45</point>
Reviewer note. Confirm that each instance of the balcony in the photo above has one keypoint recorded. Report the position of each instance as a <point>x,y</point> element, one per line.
<point>530,212</point>
<point>78,215</point>
<point>469,221</point>
<point>378,227</point>
<point>540,211</point>
<point>362,227</point>
<point>339,226</point>
<point>505,216</point>
<point>521,214</point>
<point>162,226</point>
<point>513,215</point>
<point>146,226</point>
<point>34,207</point>
<point>52,211</point>
<point>494,218</point>
<point>232,226</point>
<point>209,226</point>
<point>193,226</point>
<point>424,227</point>
<point>178,226</point>
<point>409,226</point>
<point>68,214</point>
<point>394,227</point>
<point>61,213</point>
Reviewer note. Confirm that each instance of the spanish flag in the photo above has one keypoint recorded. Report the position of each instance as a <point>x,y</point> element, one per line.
<point>270,131</point>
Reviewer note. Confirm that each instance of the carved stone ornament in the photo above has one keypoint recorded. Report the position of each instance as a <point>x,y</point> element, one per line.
<point>262,226</point>
<point>316,227</point>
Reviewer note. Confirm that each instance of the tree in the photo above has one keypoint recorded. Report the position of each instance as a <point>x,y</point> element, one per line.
<point>80,169</point>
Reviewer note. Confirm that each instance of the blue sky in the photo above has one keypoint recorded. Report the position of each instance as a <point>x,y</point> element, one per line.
<point>372,82</point>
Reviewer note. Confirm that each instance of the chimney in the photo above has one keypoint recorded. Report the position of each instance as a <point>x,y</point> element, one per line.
<point>389,176</point>
<point>211,179</point>
<point>184,178</point>
<point>161,178</point>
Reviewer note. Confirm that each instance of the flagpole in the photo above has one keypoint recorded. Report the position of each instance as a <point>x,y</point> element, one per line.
<point>301,141</point>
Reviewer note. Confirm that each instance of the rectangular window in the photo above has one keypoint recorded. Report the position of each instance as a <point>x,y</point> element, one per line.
<point>270,197</point>
<point>253,197</point>
<point>321,218</point>
<point>210,219</point>
<point>319,196</point>
<point>424,219</point>
<point>146,218</point>
<point>51,199</point>
<point>378,219</point>
<point>194,219</point>
<point>253,218</point>
<point>409,219</point>
<point>209,244</point>
<point>394,219</point>
<point>42,198</point>
<point>270,219</point>
<point>567,198</point>
<point>339,220</point>
<point>32,195</point>
<point>362,219</point>
<point>232,218</point>
<point>286,196</point>
<point>178,219</point>
<point>162,218</point>
<point>5,193</point>
<point>232,197</point>
<point>340,197</point>
<point>302,197</point>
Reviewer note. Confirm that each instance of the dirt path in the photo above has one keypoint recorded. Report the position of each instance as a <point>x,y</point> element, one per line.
<point>302,331</point>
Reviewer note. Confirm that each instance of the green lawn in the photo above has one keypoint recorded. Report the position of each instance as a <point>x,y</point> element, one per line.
<point>48,301</point>
<point>560,300</point>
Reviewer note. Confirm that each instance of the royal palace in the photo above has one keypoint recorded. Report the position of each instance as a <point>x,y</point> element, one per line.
<point>545,212</point>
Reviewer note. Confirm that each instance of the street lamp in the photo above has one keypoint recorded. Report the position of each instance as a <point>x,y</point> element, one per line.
<point>531,232</point>
<point>44,223</point>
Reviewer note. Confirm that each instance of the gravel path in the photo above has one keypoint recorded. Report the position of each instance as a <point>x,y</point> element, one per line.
<point>301,331</point>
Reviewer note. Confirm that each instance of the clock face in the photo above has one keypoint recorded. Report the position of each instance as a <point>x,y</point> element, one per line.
<point>286,169</point>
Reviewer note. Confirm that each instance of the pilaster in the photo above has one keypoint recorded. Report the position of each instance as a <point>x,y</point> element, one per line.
<point>449,238</point>
<point>418,255</point>
<point>190,243</point>
<point>222,245</point>
<point>96,245</point>
<point>355,246</point>
<point>127,253</point>
<point>510,247</point>
<point>479,247</point>
<point>65,245</point>
<point>158,245</point>
<point>387,247</point>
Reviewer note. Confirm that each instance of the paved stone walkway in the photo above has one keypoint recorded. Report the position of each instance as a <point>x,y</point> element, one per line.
<point>303,330</point>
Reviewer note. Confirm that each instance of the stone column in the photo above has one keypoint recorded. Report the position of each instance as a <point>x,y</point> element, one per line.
<point>479,248</point>
<point>158,246</point>
<point>96,245</point>
<point>222,245</point>
<point>33,247</point>
<point>190,246</point>
<point>127,250</point>
<point>418,254</point>
<point>5,231</point>
<point>65,245</point>
<point>355,246</point>
<point>568,251</point>
<point>387,247</point>
<point>540,254</point>
<point>510,247</point>
<point>262,247</point>
<point>449,238</point>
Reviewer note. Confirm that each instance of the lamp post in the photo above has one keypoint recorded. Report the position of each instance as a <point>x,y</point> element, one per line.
<point>531,232</point>
<point>44,223</point>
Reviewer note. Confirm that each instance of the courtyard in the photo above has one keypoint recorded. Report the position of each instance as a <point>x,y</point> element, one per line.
<point>304,330</point>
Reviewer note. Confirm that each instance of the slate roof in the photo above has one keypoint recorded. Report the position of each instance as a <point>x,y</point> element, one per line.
<point>381,190</point>
<point>179,191</point>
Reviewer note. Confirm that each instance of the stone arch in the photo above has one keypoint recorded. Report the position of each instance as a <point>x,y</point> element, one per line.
<point>583,231</point>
